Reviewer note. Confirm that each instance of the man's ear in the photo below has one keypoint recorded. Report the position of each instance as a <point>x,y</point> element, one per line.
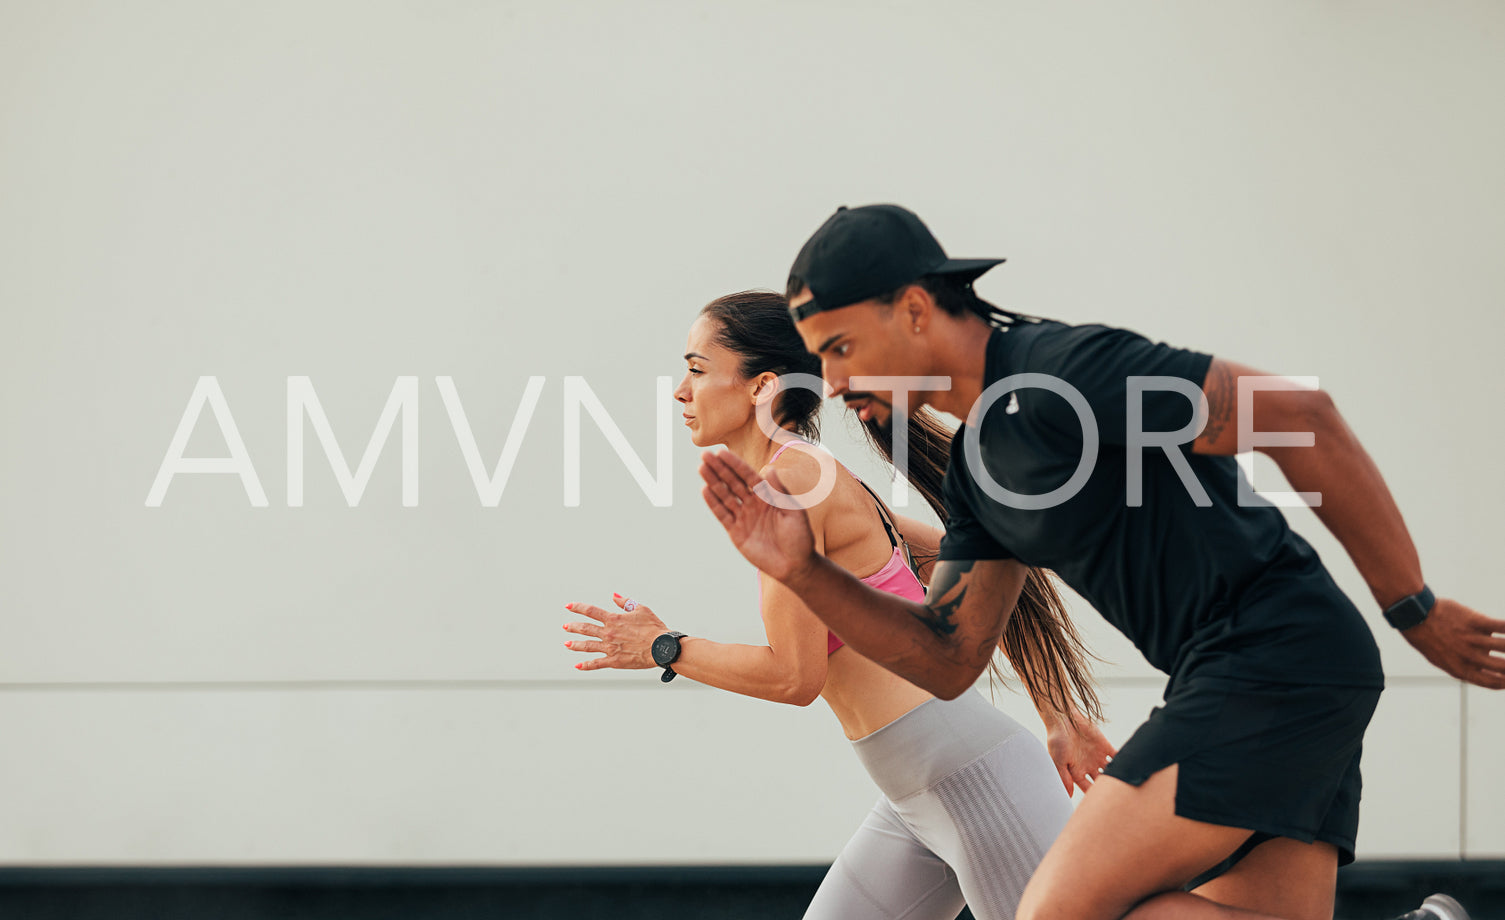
<point>917,307</point>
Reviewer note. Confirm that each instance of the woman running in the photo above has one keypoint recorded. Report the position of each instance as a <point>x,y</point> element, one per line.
<point>970,799</point>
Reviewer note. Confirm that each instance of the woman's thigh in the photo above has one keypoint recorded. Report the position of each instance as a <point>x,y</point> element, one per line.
<point>993,820</point>
<point>885,872</point>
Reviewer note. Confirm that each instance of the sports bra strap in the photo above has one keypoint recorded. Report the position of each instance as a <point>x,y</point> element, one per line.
<point>882,515</point>
<point>785,446</point>
<point>889,526</point>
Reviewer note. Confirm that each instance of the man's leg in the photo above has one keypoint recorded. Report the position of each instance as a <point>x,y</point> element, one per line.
<point>1281,877</point>
<point>1125,853</point>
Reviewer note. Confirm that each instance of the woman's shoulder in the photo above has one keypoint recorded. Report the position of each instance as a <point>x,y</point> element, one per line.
<point>798,466</point>
<point>801,471</point>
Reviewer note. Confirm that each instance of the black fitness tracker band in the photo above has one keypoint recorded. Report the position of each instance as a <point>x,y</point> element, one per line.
<point>665,651</point>
<point>1409,611</point>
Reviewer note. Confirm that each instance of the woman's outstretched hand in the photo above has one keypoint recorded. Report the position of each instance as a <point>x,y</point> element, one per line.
<point>624,638</point>
<point>767,526</point>
<point>1079,750</point>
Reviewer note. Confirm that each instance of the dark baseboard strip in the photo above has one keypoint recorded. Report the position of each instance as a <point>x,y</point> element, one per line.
<point>1369,890</point>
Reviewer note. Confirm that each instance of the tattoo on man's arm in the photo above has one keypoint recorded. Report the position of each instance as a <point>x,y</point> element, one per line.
<point>939,615</point>
<point>1222,396</point>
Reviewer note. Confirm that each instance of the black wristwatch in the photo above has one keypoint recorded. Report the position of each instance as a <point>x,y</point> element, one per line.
<point>665,651</point>
<point>1409,611</point>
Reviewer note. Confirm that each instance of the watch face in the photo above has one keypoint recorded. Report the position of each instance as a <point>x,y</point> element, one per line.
<point>1407,613</point>
<point>665,650</point>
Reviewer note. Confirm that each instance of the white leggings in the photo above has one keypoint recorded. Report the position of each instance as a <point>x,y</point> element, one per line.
<point>971,802</point>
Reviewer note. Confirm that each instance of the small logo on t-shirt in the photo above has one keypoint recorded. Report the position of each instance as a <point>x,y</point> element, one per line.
<point>1013,405</point>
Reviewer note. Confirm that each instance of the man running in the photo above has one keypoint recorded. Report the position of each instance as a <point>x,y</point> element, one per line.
<point>1110,461</point>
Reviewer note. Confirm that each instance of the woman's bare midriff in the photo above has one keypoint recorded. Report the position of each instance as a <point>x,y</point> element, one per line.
<point>865,696</point>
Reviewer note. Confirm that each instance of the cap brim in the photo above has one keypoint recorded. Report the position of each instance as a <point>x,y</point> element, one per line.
<point>967,268</point>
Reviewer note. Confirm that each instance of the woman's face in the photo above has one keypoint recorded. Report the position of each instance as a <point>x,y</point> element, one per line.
<point>717,399</point>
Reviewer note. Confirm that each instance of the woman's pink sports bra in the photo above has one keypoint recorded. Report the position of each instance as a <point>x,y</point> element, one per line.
<point>896,577</point>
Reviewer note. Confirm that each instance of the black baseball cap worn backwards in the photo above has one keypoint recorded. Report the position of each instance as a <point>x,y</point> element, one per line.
<point>861,253</point>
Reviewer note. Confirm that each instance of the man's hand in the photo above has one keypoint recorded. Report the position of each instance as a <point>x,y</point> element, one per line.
<point>1463,642</point>
<point>765,524</point>
<point>1079,750</point>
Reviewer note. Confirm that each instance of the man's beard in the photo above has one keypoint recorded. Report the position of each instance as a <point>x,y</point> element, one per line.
<point>885,428</point>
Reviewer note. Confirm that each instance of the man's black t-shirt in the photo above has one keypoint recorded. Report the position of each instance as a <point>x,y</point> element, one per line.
<point>1226,590</point>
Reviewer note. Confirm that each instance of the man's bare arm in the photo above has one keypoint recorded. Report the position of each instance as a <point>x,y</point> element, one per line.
<point>1356,504</point>
<point>1359,510</point>
<point>942,645</point>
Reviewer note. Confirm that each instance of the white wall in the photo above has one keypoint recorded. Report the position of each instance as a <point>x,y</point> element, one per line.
<point>357,192</point>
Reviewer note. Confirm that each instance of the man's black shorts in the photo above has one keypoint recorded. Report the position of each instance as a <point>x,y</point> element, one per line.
<point>1279,759</point>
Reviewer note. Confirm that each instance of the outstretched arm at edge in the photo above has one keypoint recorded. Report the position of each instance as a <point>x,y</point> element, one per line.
<point>790,669</point>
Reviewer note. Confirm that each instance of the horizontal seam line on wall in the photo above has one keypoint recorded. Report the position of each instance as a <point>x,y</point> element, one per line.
<point>421,685</point>
<point>195,686</point>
